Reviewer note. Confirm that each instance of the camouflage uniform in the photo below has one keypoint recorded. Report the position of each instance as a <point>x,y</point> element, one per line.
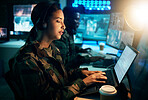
<point>69,52</point>
<point>40,74</point>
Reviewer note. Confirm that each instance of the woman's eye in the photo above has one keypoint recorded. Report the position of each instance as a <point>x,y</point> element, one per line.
<point>58,21</point>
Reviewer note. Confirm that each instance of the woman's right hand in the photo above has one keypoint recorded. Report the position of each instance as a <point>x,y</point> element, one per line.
<point>95,78</point>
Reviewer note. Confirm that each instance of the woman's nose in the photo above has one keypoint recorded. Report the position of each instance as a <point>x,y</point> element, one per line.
<point>63,26</point>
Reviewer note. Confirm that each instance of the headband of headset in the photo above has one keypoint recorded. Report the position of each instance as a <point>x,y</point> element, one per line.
<point>41,22</point>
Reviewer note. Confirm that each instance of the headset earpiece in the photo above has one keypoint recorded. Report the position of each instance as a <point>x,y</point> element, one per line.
<point>44,25</point>
<point>41,24</point>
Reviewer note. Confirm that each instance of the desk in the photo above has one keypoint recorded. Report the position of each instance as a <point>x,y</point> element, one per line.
<point>7,51</point>
<point>95,47</point>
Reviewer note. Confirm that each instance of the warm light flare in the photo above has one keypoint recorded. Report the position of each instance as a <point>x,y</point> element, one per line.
<point>136,16</point>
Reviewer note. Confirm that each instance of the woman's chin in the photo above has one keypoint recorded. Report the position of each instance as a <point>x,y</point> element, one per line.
<point>58,37</point>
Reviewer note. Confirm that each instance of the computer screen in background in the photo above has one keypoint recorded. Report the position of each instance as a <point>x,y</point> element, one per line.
<point>3,32</point>
<point>22,17</point>
<point>93,4</point>
<point>119,34</point>
<point>116,21</point>
<point>4,36</point>
<point>93,26</point>
<point>78,38</point>
<point>114,38</point>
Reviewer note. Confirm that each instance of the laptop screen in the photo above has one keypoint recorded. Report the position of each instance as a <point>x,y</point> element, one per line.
<point>124,63</point>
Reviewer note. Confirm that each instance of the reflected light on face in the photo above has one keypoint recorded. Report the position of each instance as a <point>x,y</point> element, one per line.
<point>56,25</point>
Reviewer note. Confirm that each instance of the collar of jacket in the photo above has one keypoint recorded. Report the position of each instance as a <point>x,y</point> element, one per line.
<point>45,52</point>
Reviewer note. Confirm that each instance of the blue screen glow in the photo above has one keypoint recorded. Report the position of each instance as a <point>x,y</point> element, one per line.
<point>93,4</point>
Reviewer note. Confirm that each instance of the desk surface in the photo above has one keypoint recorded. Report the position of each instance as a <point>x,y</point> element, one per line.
<point>94,46</point>
<point>13,44</point>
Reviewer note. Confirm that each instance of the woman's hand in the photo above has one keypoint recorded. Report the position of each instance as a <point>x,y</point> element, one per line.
<point>87,73</point>
<point>95,78</point>
<point>96,58</point>
<point>85,50</point>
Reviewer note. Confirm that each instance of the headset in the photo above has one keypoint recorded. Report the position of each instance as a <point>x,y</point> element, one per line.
<point>40,23</point>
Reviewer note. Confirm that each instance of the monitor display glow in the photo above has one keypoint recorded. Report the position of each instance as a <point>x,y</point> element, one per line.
<point>93,4</point>
<point>114,38</point>
<point>94,26</point>
<point>22,17</point>
<point>3,33</point>
<point>119,34</point>
<point>116,21</point>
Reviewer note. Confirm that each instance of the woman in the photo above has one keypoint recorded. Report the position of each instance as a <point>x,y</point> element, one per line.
<point>37,67</point>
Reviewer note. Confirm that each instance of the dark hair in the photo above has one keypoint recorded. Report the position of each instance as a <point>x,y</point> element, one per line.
<point>40,15</point>
<point>69,11</point>
<point>43,11</point>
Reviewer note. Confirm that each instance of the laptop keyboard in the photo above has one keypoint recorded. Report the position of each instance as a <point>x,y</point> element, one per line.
<point>110,79</point>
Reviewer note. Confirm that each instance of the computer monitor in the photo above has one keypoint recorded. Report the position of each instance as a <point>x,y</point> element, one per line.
<point>78,38</point>
<point>4,36</point>
<point>94,26</point>
<point>22,17</point>
<point>119,34</point>
<point>93,4</point>
<point>114,38</point>
<point>116,21</point>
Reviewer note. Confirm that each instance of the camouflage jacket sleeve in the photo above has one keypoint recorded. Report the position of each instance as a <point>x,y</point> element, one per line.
<point>76,73</point>
<point>35,84</point>
<point>78,49</point>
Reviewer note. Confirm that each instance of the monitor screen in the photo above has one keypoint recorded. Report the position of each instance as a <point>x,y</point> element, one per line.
<point>114,38</point>
<point>94,26</point>
<point>119,39</point>
<point>93,4</point>
<point>3,33</point>
<point>127,38</point>
<point>116,21</point>
<point>119,35</point>
<point>22,17</point>
<point>78,38</point>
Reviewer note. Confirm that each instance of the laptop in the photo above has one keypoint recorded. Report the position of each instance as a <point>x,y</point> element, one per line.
<point>117,74</point>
